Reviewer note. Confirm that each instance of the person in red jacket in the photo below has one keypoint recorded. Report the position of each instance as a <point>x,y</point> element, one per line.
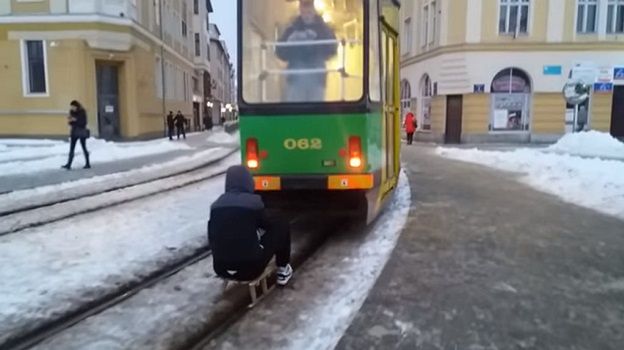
<point>410,125</point>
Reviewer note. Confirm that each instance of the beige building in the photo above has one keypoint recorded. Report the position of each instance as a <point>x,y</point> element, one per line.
<point>128,61</point>
<point>222,71</point>
<point>487,70</point>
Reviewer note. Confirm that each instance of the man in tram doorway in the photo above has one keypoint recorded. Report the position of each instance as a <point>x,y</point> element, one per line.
<point>410,125</point>
<point>308,26</point>
<point>180,123</point>
<point>243,240</point>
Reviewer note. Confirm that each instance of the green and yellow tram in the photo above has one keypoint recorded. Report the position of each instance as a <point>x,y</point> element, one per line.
<point>318,91</point>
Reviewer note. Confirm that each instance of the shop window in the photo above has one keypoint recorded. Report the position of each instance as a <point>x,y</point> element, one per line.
<point>511,97</point>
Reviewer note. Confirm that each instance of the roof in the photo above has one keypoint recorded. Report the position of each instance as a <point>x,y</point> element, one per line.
<point>209,6</point>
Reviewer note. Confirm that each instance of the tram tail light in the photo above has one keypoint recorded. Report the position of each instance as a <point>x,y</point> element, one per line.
<point>252,153</point>
<point>355,152</point>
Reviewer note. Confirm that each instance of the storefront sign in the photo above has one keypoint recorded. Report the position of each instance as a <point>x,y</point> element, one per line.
<point>603,87</point>
<point>605,75</point>
<point>552,70</point>
<point>501,117</point>
<point>109,109</point>
<point>618,73</point>
<point>479,88</point>
<point>586,75</point>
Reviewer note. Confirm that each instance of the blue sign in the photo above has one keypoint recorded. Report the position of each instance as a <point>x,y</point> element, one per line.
<point>618,73</point>
<point>552,70</point>
<point>478,88</point>
<point>603,87</point>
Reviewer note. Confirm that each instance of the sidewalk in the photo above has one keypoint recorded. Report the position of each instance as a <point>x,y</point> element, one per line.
<point>196,142</point>
<point>486,262</point>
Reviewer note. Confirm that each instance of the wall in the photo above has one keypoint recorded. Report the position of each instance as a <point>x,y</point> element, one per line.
<point>548,113</point>
<point>476,114</point>
<point>600,118</point>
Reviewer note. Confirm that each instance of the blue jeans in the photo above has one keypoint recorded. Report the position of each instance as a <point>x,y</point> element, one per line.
<point>305,88</point>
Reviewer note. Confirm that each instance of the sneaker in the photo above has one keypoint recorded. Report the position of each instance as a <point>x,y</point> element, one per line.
<point>284,274</point>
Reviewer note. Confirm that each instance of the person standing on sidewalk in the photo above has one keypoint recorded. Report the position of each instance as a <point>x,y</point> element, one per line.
<point>243,240</point>
<point>180,123</point>
<point>170,125</point>
<point>78,122</point>
<point>410,125</point>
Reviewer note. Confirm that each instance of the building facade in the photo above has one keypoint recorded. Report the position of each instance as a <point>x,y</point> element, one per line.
<point>494,70</point>
<point>222,72</point>
<point>129,62</point>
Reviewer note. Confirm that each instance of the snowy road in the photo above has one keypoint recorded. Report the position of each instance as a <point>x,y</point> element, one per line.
<point>50,270</point>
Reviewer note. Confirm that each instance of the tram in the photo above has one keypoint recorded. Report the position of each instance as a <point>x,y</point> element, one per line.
<point>318,91</point>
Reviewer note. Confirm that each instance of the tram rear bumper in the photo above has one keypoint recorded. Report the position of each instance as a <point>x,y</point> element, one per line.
<point>334,182</point>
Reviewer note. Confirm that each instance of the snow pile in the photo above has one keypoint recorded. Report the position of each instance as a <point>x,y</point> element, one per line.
<point>33,157</point>
<point>589,182</point>
<point>223,137</point>
<point>29,142</point>
<point>591,144</point>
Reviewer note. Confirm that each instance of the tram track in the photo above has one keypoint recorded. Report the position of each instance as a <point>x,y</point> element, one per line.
<point>35,216</point>
<point>306,242</point>
<point>89,193</point>
<point>47,330</point>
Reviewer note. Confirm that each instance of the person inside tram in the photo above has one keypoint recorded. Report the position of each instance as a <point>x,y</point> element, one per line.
<point>308,26</point>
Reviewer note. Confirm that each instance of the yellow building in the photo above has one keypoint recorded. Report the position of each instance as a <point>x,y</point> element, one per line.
<point>494,70</point>
<point>128,62</point>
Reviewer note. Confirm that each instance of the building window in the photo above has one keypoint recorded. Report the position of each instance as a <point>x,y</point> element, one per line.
<point>433,22</point>
<point>183,16</point>
<point>425,25</point>
<point>514,17</point>
<point>406,95</point>
<point>406,47</point>
<point>208,51</point>
<point>196,7</point>
<point>34,69</point>
<point>587,16</point>
<point>197,45</point>
<point>615,16</point>
<point>426,93</point>
<point>511,98</point>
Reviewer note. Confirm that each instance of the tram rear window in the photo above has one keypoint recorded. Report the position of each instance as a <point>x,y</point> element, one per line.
<point>302,51</point>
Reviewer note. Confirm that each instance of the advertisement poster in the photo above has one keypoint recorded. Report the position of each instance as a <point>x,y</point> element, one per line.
<point>500,118</point>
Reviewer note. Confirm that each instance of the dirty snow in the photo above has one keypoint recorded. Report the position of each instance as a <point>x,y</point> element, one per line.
<point>18,221</point>
<point>223,137</point>
<point>590,144</point>
<point>55,268</point>
<point>31,156</point>
<point>73,189</point>
<point>327,291</point>
<point>593,183</point>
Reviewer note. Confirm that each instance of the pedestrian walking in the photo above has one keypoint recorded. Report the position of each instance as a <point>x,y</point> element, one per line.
<point>170,124</point>
<point>410,125</point>
<point>180,123</point>
<point>77,120</point>
<point>242,239</point>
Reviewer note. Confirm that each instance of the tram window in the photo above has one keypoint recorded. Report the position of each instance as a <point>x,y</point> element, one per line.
<point>374,54</point>
<point>302,51</point>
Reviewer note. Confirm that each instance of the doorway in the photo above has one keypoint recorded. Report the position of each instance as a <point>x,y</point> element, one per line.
<point>108,100</point>
<point>454,110</point>
<point>617,112</point>
<point>196,121</point>
<point>391,98</point>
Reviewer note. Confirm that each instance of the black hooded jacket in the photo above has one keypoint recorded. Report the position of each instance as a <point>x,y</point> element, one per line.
<point>80,116</point>
<point>235,220</point>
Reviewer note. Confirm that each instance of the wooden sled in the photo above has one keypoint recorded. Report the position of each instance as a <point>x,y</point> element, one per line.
<point>260,283</point>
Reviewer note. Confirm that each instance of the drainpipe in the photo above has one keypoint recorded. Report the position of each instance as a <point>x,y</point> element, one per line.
<point>162,66</point>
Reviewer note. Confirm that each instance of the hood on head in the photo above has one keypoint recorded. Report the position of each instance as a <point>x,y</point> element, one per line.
<point>239,179</point>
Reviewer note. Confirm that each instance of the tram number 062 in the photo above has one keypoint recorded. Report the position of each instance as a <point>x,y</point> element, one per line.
<point>303,144</point>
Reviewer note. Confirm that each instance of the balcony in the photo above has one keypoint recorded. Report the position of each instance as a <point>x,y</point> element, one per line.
<point>116,8</point>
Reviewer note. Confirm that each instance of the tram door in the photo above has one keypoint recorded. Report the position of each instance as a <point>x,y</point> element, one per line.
<point>390,73</point>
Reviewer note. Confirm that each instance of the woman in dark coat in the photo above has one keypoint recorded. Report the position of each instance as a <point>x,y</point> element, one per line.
<point>78,122</point>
